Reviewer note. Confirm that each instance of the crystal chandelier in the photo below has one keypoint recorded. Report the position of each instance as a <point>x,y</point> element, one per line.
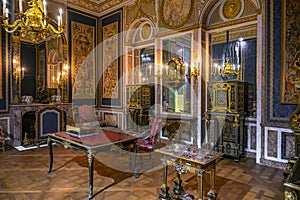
<point>34,22</point>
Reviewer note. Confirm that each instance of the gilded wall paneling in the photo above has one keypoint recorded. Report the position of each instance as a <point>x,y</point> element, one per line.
<point>83,60</point>
<point>111,89</point>
<point>81,44</point>
<point>16,68</point>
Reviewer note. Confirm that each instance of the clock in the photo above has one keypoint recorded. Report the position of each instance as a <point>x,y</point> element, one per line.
<point>175,13</point>
<point>172,65</point>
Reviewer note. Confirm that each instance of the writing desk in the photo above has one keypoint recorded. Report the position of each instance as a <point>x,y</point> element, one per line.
<point>91,145</point>
<point>188,159</point>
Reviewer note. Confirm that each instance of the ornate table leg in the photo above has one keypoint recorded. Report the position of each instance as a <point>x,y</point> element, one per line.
<point>178,189</point>
<point>164,195</point>
<point>200,183</point>
<point>135,174</point>
<point>91,172</point>
<point>212,194</point>
<point>51,155</point>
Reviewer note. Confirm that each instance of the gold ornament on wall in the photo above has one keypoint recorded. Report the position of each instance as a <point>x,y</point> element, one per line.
<point>231,8</point>
<point>176,13</point>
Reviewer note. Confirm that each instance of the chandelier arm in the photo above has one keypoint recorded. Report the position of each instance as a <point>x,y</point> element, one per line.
<point>10,28</point>
<point>58,31</point>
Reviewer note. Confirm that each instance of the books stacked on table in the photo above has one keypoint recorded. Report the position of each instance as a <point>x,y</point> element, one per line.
<point>81,131</point>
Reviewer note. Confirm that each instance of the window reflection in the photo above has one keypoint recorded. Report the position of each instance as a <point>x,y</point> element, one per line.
<point>176,89</point>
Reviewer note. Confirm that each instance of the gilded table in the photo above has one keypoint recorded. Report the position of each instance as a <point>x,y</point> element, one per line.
<point>91,145</point>
<point>188,159</point>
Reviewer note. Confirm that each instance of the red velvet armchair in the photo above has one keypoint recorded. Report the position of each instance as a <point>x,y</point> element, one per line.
<point>147,144</point>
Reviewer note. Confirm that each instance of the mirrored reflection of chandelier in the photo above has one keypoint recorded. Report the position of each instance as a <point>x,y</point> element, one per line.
<point>232,60</point>
<point>34,22</point>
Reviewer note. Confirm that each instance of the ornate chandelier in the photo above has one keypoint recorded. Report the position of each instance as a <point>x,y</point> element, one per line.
<point>232,62</point>
<point>230,68</point>
<point>34,22</point>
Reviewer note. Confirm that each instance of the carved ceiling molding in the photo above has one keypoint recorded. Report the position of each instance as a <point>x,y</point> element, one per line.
<point>96,8</point>
<point>139,11</point>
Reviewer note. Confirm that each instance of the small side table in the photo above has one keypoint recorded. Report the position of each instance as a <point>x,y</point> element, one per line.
<point>186,159</point>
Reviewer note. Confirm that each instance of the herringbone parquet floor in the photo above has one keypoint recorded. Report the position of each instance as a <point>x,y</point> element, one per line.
<point>23,175</point>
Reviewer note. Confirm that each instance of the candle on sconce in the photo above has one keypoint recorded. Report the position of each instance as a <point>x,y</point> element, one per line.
<point>4,7</point>
<point>150,69</point>
<point>22,72</point>
<point>6,13</point>
<point>20,6</point>
<point>59,18</point>
<point>186,69</point>
<point>66,67</point>
<point>140,76</point>
<point>45,9</point>
<point>216,68</point>
<point>167,70</point>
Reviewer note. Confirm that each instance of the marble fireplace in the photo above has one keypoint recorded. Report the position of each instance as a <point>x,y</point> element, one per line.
<point>22,119</point>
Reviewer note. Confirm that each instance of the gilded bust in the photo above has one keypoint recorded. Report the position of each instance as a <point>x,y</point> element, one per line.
<point>175,13</point>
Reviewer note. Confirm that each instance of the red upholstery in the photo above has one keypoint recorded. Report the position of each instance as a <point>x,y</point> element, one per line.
<point>148,143</point>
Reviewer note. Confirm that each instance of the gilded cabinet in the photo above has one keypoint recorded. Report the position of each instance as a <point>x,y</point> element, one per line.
<point>139,100</point>
<point>228,104</point>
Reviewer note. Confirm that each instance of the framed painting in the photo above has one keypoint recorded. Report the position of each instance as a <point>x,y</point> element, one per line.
<point>111,86</point>
<point>290,50</point>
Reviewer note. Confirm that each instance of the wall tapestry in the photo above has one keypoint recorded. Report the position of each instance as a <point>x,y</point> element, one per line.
<point>111,60</point>
<point>290,46</point>
<point>83,60</point>
<point>110,63</point>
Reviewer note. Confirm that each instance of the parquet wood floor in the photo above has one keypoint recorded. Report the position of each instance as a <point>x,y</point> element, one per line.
<point>23,175</point>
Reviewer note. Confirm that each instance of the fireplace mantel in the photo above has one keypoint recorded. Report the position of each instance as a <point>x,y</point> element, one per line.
<point>18,110</point>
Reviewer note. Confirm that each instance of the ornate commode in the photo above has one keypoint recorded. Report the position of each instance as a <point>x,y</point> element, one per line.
<point>139,100</point>
<point>228,104</point>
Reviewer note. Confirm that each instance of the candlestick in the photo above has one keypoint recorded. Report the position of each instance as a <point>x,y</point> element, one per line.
<point>150,69</point>
<point>58,20</point>
<point>6,12</point>
<point>45,4</point>
<point>167,70</point>
<point>4,6</point>
<point>60,13</point>
<point>20,6</point>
